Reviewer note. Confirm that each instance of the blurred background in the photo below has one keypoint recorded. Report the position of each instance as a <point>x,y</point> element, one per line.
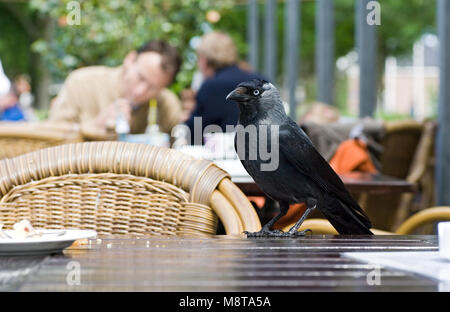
<point>377,69</point>
<point>37,41</point>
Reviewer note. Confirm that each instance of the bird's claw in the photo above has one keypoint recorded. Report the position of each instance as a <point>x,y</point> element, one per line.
<point>299,233</point>
<point>275,233</point>
<point>264,233</point>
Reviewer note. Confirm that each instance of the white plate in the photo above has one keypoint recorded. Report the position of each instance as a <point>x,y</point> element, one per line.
<point>50,242</point>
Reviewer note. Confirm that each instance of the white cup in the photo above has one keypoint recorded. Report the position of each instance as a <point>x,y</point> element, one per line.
<point>444,239</point>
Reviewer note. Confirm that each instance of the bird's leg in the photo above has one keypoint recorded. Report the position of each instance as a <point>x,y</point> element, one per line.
<point>269,209</point>
<point>266,229</point>
<point>311,204</point>
<point>284,207</point>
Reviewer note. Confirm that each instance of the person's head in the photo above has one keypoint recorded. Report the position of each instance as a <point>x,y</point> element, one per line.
<point>22,84</point>
<point>148,70</point>
<point>216,50</point>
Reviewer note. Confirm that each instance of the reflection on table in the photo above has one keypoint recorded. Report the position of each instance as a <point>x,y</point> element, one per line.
<point>219,263</point>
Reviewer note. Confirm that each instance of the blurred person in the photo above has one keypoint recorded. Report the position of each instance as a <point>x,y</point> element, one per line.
<point>9,106</point>
<point>188,103</point>
<point>26,99</point>
<point>5,84</point>
<point>320,113</point>
<point>245,66</point>
<point>217,60</point>
<point>98,96</point>
<point>188,95</point>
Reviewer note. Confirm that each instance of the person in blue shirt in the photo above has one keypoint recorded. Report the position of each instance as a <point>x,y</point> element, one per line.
<point>218,62</point>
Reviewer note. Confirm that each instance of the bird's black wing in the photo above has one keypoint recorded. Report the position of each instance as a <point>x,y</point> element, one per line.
<point>299,150</point>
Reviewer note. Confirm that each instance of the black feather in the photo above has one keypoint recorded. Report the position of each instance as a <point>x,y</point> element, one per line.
<point>317,168</point>
<point>302,173</point>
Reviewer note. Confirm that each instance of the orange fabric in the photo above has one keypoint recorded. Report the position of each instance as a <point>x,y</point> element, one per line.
<point>294,213</point>
<point>258,200</point>
<point>352,155</point>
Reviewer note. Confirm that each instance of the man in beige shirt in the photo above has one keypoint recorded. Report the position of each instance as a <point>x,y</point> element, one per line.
<point>95,96</point>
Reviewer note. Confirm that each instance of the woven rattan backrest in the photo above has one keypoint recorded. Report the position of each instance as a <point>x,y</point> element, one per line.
<point>17,138</point>
<point>113,187</point>
<point>109,204</point>
<point>399,145</point>
<point>11,147</point>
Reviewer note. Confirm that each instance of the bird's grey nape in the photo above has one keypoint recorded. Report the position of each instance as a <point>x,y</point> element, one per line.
<point>268,86</point>
<point>271,97</point>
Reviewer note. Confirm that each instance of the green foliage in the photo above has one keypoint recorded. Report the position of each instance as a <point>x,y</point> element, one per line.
<point>13,45</point>
<point>41,114</point>
<point>403,22</point>
<point>110,29</point>
<point>233,21</point>
<point>390,116</point>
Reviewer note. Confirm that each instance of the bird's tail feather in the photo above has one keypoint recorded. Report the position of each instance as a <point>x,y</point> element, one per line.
<point>345,219</point>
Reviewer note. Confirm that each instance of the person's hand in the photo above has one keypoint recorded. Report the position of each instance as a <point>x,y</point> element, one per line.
<point>187,94</point>
<point>188,102</point>
<point>106,119</point>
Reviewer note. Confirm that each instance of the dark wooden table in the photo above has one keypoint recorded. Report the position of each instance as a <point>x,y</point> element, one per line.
<point>222,263</point>
<point>356,182</point>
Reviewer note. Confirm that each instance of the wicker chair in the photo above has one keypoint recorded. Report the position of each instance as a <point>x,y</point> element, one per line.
<point>423,220</point>
<point>418,221</point>
<point>17,138</point>
<point>121,188</point>
<point>323,227</point>
<point>421,174</point>
<point>400,144</point>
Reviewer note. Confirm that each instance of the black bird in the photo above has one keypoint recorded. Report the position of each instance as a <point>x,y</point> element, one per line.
<point>301,174</point>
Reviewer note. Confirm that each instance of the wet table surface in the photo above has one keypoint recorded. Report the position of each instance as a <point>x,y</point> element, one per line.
<point>221,263</point>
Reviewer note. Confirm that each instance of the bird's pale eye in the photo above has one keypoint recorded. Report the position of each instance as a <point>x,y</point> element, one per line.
<point>256,92</point>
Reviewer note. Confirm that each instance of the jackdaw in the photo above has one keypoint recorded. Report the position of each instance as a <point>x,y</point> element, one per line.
<point>299,174</point>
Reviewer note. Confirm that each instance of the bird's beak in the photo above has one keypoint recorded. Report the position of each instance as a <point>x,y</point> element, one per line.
<point>239,94</point>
